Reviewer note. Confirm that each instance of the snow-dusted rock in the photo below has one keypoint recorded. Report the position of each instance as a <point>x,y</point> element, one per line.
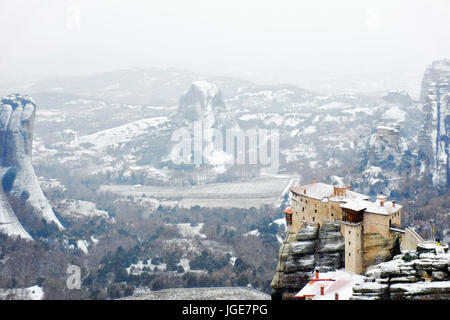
<point>30,293</point>
<point>412,276</point>
<point>201,116</point>
<point>17,115</point>
<point>9,223</point>
<point>434,137</point>
<point>312,248</point>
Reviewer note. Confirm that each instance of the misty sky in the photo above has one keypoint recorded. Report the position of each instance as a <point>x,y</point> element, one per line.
<point>299,42</point>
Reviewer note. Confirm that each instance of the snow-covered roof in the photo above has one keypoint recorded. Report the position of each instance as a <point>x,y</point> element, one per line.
<point>351,200</point>
<point>387,128</point>
<point>340,282</point>
<point>321,190</point>
<point>372,207</point>
<point>354,205</point>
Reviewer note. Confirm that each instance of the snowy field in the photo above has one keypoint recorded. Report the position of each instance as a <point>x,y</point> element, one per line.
<point>31,293</point>
<point>255,193</point>
<point>219,293</point>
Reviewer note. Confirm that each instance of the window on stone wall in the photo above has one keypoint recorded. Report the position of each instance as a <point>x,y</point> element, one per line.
<point>349,254</point>
<point>315,210</point>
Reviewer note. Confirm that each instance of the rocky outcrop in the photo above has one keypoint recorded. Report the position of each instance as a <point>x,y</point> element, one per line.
<point>434,138</point>
<point>301,254</point>
<point>203,100</point>
<point>385,157</point>
<point>9,223</point>
<point>19,182</point>
<point>201,118</point>
<point>410,275</point>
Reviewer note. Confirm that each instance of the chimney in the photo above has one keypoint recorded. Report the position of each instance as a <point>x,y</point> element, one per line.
<point>336,296</point>
<point>349,187</point>
<point>393,203</point>
<point>382,199</point>
<point>317,274</point>
<point>314,180</point>
<point>322,290</point>
<point>304,191</point>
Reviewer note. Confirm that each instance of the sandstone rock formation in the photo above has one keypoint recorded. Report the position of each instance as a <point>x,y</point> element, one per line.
<point>9,223</point>
<point>19,182</point>
<point>385,157</point>
<point>410,275</point>
<point>312,248</point>
<point>202,118</point>
<point>434,138</point>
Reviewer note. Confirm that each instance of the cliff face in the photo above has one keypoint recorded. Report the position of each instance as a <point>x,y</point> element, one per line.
<point>20,185</point>
<point>310,249</point>
<point>411,275</point>
<point>385,158</point>
<point>434,138</point>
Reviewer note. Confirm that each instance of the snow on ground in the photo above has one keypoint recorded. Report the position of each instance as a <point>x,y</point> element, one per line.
<point>300,151</point>
<point>279,238</point>
<point>292,122</point>
<point>9,224</point>
<point>280,222</point>
<point>254,233</point>
<point>83,246</point>
<point>253,193</point>
<point>214,293</point>
<point>354,111</point>
<point>275,119</point>
<point>30,293</point>
<point>334,106</point>
<point>310,130</point>
<point>80,208</point>
<point>140,266</point>
<point>188,231</point>
<point>94,240</point>
<point>124,133</point>
<point>394,113</point>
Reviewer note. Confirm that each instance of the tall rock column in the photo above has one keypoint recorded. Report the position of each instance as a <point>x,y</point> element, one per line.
<point>434,138</point>
<point>17,115</point>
